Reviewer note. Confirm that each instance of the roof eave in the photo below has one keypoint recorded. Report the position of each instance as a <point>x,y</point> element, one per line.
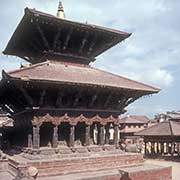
<point>8,76</point>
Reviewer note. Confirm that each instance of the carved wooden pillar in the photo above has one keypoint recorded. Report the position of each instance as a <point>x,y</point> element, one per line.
<point>162,148</point>
<point>116,131</point>
<point>1,140</point>
<point>107,135</point>
<point>178,148</point>
<point>145,148</point>
<point>36,137</point>
<point>102,135</point>
<point>172,149</point>
<point>157,148</point>
<point>55,137</point>
<point>95,134</point>
<point>152,148</point>
<point>167,148</point>
<point>72,136</point>
<point>30,143</point>
<point>87,135</point>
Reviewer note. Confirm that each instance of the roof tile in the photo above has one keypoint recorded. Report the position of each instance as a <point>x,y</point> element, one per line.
<point>78,74</point>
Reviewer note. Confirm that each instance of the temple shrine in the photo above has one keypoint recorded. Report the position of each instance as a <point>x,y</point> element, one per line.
<point>65,113</point>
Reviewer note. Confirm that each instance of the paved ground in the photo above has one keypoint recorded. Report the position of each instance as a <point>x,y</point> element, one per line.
<point>5,176</point>
<point>175,166</point>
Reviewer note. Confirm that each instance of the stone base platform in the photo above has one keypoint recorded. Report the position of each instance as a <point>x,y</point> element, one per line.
<point>76,164</point>
<point>93,166</point>
<point>65,151</point>
<point>142,172</point>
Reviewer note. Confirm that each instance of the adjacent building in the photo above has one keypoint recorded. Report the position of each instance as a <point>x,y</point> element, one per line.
<point>162,138</point>
<point>131,124</point>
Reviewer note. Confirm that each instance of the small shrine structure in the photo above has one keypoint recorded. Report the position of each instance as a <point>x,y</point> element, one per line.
<point>162,139</point>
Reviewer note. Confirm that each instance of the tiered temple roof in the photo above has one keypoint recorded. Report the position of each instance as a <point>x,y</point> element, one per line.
<point>77,74</point>
<point>41,36</point>
<point>60,51</point>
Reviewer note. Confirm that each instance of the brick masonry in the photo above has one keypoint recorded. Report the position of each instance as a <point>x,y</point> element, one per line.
<point>107,167</point>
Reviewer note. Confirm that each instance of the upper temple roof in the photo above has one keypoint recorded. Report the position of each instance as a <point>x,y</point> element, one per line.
<point>78,74</point>
<point>40,36</point>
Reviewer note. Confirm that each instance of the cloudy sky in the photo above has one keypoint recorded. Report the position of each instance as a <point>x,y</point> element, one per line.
<point>151,55</point>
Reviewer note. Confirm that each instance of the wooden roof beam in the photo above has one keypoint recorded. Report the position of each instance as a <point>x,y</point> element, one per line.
<point>46,44</point>
<point>10,100</point>
<point>67,39</point>
<point>27,96</point>
<point>59,98</point>
<point>56,38</point>
<point>94,98</point>
<point>92,46</point>
<point>130,100</point>
<point>35,47</point>
<point>41,100</point>
<point>122,101</point>
<point>7,109</point>
<point>77,98</point>
<point>108,100</point>
<point>84,40</point>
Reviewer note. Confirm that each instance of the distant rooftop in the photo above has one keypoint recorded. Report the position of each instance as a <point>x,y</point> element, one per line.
<point>166,128</point>
<point>134,120</point>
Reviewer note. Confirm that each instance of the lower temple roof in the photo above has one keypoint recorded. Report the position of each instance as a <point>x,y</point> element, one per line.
<point>78,74</point>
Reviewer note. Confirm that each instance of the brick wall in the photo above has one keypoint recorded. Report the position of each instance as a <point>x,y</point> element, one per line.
<point>164,173</point>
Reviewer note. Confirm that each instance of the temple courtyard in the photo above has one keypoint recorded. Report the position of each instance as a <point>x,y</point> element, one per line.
<point>174,164</point>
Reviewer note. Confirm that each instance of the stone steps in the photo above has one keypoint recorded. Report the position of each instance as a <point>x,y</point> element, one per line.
<point>69,166</point>
<point>143,172</point>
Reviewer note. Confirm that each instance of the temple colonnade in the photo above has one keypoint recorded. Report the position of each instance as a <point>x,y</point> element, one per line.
<point>97,130</point>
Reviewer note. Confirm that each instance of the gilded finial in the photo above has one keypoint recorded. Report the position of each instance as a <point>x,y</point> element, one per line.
<point>60,12</point>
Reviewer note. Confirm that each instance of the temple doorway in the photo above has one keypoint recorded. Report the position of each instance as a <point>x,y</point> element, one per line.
<point>80,132</point>
<point>46,134</point>
<point>63,133</point>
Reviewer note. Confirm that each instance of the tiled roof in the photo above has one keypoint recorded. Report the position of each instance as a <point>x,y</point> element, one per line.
<point>83,25</point>
<point>63,72</point>
<point>81,40</point>
<point>135,120</point>
<point>166,128</point>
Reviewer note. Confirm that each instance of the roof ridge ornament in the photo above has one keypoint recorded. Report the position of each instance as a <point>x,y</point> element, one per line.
<point>60,12</point>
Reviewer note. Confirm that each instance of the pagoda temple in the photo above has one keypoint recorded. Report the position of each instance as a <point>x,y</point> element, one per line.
<point>62,107</point>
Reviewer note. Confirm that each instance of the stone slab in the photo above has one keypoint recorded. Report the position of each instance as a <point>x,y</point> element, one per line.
<point>143,172</point>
